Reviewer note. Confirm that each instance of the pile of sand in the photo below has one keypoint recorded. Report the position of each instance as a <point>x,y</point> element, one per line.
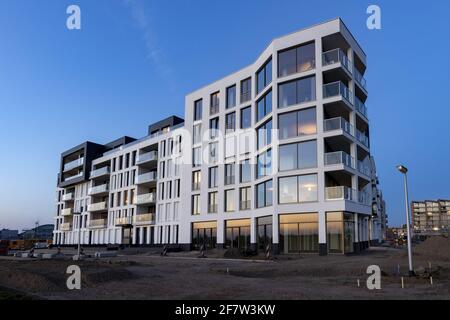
<point>434,248</point>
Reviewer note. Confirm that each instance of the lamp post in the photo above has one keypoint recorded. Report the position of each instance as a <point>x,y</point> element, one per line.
<point>404,170</point>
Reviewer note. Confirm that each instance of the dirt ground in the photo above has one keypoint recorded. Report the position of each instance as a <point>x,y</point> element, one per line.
<point>144,274</point>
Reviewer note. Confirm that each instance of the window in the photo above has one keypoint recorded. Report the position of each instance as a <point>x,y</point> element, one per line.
<point>196,204</point>
<point>296,92</point>
<point>246,169</point>
<point>299,233</point>
<point>197,134</point>
<point>196,180</point>
<point>246,118</point>
<point>212,202</point>
<point>198,106</point>
<point>245,198</point>
<point>264,134</point>
<point>215,102</point>
<point>264,164</point>
<point>297,123</point>
<point>297,59</point>
<point>264,76</point>
<point>231,97</point>
<point>229,200</point>
<point>246,90</point>
<point>214,128</point>
<point>301,155</point>
<point>229,173</point>
<point>297,189</point>
<point>213,177</point>
<point>230,122</point>
<point>213,152</point>
<point>197,157</point>
<point>264,194</point>
<point>264,106</point>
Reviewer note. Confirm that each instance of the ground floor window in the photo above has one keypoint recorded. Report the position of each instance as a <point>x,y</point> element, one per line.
<point>340,232</point>
<point>264,232</point>
<point>299,233</point>
<point>238,234</point>
<point>204,233</point>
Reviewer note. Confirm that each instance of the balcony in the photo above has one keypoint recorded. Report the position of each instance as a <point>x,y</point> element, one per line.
<point>360,79</point>
<point>144,178</point>
<point>337,89</point>
<point>147,157</point>
<point>147,218</point>
<point>124,221</point>
<point>338,123</point>
<point>363,168</point>
<point>67,212</point>
<point>101,172</point>
<point>336,56</point>
<point>98,223</point>
<point>78,175</point>
<point>339,157</point>
<point>68,196</point>
<point>146,198</point>
<point>99,206</point>
<point>361,107</point>
<point>361,137</point>
<point>65,227</point>
<point>212,208</point>
<point>364,198</point>
<point>99,190</point>
<point>340,193</point>
<point>73,164</point>
<point>245,205</point>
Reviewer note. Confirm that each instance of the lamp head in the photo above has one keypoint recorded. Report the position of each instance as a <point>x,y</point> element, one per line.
<point>402,169</point>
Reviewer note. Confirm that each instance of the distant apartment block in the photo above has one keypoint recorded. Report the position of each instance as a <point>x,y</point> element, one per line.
<point>431,216</point>
<point>275,155</point>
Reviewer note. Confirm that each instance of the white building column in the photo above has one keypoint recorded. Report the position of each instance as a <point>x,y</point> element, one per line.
<point>220,233</point>
<point>275,233</point>
<point>356,241</point>
<point>323,249</point>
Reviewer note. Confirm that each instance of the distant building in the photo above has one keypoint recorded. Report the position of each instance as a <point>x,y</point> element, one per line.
<point>379,215</point>
<point>431,217</point>
<point>44,232</point>
<point>396,233</point>
<point>6,234</point>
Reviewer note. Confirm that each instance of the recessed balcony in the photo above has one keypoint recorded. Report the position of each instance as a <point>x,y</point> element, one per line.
<point>65,226</point>
<point>146,178</point>
<point>101,172</point>
<point>73,177</point>
<point>124,221</point>
<point>99,206</point>
<point>338,123</point>
<point>99,190</point>
<point>73,164</point>
<point>339,158</point>
<point>67,212</point>
<point>361,107</point>
<point>68,196</point>
<point>145,158</point>
<point>364,168</point>
<point>337,90</point>
<point>362,137</point>
<point>360,80</point>
<point>364,198</point>
<point>146,198</point>
<point>147,218</point>
<point>336,58</point>
<point>98,224</point>
<point>340,193</point>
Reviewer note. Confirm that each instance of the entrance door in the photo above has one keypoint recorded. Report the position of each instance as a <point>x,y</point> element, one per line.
<point>127,235</point>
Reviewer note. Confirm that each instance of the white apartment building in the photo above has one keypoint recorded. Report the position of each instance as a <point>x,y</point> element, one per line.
<point>275,155</point>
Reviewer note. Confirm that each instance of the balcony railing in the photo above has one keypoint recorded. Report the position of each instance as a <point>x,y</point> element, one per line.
<point>147,157</point>
<point>68,196</point>
<point>98,223</point>
<point>99,189</point>
<point>212,208</point>
<point>364,198</point>
<point>144,218</point>
<point>245,205</point>
<point>67,212</point>
<point>360,79</point>
<point>73,164</point>
<point>99,172</point>
<point>146,198</point>
<point>146,177</point>
<point>335,89</point>
<point>363,168</point>
<point>361,137</point>
<point>123,221</point>
<point>65,226</point>
<point>360,107</point>
<point>335,56</point>
<point>340,193</point>
<point>338,123</point>
<point>99,206</point>
<point>78,175</point>
<point>339,157</point>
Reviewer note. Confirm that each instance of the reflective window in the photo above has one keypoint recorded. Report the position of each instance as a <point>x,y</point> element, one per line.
<point>196,204</point>
<point>197,134</point>
<point>288,157</point>
<point>264,106</point>
<point>230,122</point>
<point>264,76</point>
<point>212,202</point>
<point>213,152</point>
<point>264,193</point>
<point>213,177</point>
<point>231,97</point>
<point>198,106</point>
<point>196,157</point>
<point>245,169</point>
<point>246,118</point>
<point>302,155</point>
<point>297,123</point>
<point>214,103</point>
<point>264,164</point>
<point>299,233</point>
<point>246,90</point>
<point>299,59</point>
<point>307,188</point>
<point>214,128</point>
<point>296,92</point>
<point>288,190</point>
<point>245,198</point>
<point>229,200</point>
<point>297,189</point>
<point>264,134</point>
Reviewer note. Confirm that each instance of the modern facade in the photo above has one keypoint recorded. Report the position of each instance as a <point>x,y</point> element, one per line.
<point>275,155</point>
<point>431,217</point>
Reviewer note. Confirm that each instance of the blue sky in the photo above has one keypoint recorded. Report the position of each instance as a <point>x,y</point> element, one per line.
<point>133,62</point>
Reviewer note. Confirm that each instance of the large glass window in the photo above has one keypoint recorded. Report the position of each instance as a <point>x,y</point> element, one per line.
<point>229,173</point>
<point>264,134</point>
<point>298,59</point>
<point>296,92</point>
<point>246,90</point>
<point>212,202</point>
<point>246,117</point>
<point>197,133</point>
<point>231,97</point>
<point>196,180</point>
<point>237,234</point>
<point>214,103</point>
<point>264,106</point>
<point>245,198</point>
<point>264,232</point>
<point>288,190</point>
<point>340,232</point>
<point>197,157</point>
<point>204,234</point>
<point>299,233</point>
<point>297,123</point>
<point>213,152</point>
<point>230,122</point>
<point>264,164</point>
<point>264,76</point>
<point>302,155</point>
<point>307,188</point>
<point>214,128</point>
<point>198,106</point>
<point>264,193</point>
<point>297,189</point>
<point>213,177</point>
<point>229,200</point>
<point>196,204</point>
<point>245,168</point>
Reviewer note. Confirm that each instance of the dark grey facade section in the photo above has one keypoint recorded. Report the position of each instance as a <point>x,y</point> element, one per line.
<point>168,122</point>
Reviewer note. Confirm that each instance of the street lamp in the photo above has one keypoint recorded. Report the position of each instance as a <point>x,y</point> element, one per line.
<point>404,170</point>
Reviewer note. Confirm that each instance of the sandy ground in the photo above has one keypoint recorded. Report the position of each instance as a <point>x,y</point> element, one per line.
<point>144,274</point>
